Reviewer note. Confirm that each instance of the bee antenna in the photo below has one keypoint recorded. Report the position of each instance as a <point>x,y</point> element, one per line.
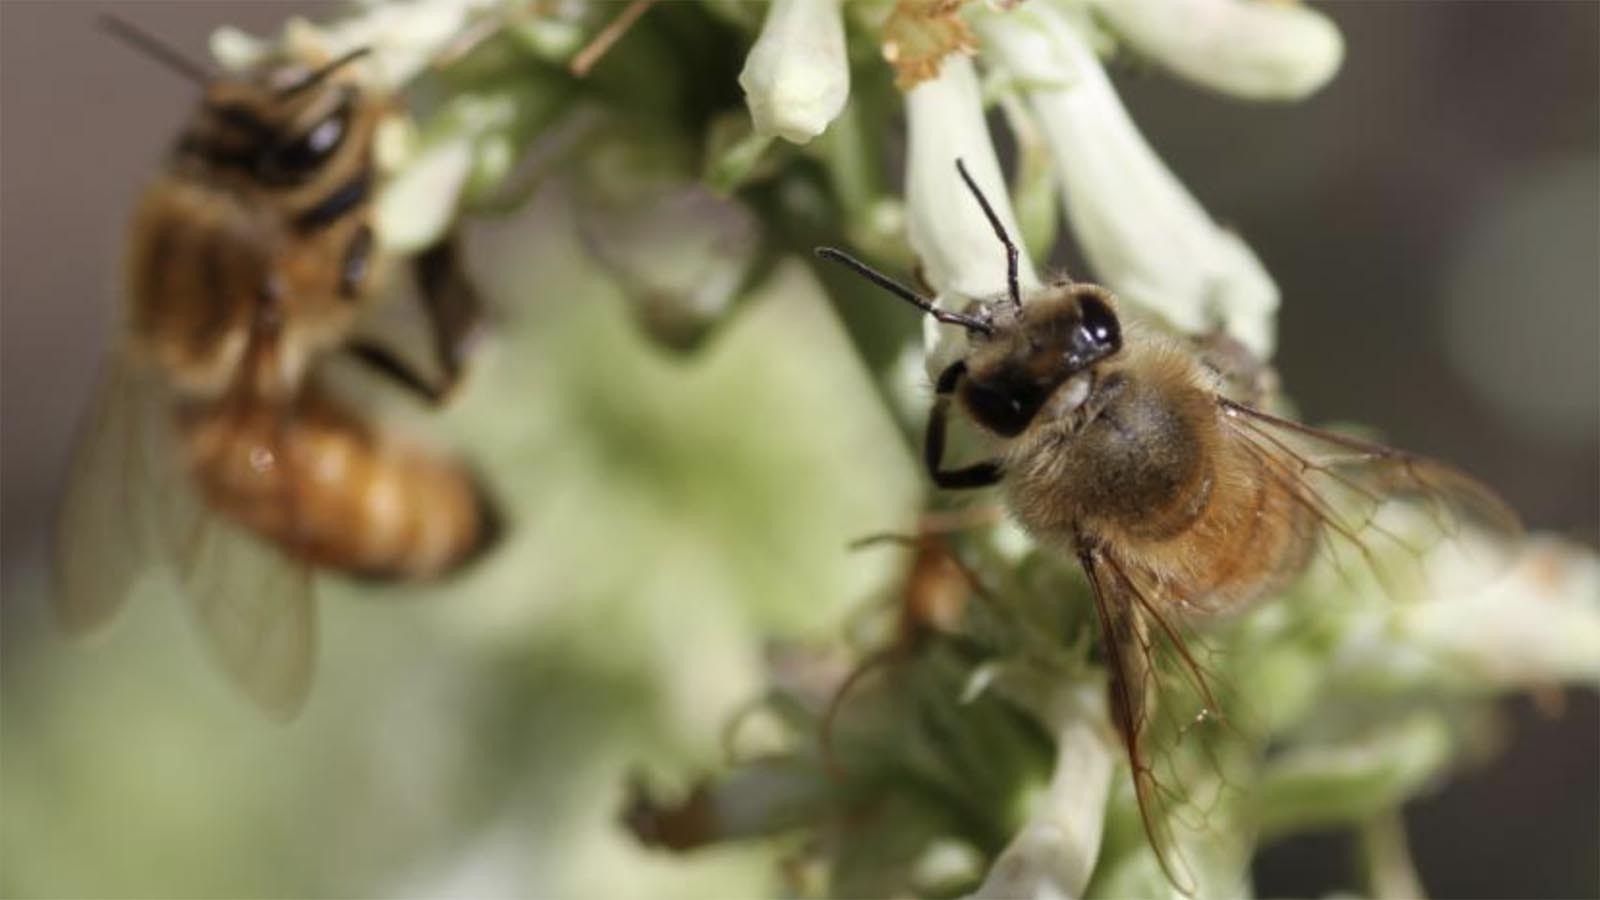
<point>155,48</point>
<point>904,293</point>
<point>320,75</point>
<point>1012,285</point>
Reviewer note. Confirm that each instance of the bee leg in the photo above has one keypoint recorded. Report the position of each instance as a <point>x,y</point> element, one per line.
<point>455,322</point>
<point>383,360</point>
<point>453,307</point>
<point>976,475</point>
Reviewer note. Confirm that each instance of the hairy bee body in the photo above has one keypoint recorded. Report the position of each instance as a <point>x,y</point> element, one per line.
<point>215,445</point>
<point>332,490</point>
<point>1131,451</point>
<point>1145,463</point>
<point>264,210</point>
<point>251,258</point>
<point>201,265</point>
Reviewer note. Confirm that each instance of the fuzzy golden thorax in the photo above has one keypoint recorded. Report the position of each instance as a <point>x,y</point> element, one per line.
<point>255,247</point>
<point>1127,446</point>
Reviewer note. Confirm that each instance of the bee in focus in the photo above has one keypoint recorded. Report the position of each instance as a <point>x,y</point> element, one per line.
<point>1122,447</point>
<point>215,445</point>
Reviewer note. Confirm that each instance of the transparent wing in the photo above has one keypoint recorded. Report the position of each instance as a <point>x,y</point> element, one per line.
<point>1367,507</point>
<point>251,601</point>
<point>1389,511</point>
<point>103,540</point>
<point>253,604</point>
<point>132,506</point>
<point>1167,709</point>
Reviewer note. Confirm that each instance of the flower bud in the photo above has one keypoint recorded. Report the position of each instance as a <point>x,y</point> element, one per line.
<point>1253,49</point>
<point>797,77</point>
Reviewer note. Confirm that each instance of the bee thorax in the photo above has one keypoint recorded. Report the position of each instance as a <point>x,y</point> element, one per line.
<point>1133,453</point>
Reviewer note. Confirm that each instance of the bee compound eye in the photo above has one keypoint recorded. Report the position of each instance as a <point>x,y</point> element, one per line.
<point>310,149</point>
<point>1099,322</point>
<point>302,154</point>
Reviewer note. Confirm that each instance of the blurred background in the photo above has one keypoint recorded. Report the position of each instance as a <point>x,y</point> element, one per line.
<point>1432,217</point>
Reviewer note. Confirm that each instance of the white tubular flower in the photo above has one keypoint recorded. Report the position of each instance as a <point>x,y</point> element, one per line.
<point>797,77</point>
<point>1054,853</point>
<point>1538,624</point>
<point>1145,235</point>
<point>958,249</point>
<point>404,37</point>
<point>1255,49</point>
<point>418,207</point>
<point>946,227</point>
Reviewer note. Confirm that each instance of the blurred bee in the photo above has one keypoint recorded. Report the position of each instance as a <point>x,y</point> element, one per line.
<point>1122,448</point>
<point>214,446</point>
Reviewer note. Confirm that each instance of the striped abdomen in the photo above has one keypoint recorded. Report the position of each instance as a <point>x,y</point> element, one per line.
<point>1253,534</point>
<point>330,491</point>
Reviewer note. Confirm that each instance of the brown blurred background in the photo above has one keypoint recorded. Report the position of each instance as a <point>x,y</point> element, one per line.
<point>1433,218</point>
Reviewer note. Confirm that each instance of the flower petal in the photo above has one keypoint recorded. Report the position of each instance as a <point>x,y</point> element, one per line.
<point>1254,49</point>
<point>1055,851</point>
<point>1142,231</point>
<point>957,247</point>
<point>416,208</point>
<point>1538,624</point>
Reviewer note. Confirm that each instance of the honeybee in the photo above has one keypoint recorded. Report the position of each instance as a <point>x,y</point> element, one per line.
<point>215,446</point>
<point>1121,447</point>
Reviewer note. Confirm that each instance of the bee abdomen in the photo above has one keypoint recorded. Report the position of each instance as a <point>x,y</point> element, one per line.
<point>1254,536</point>
<point>332,492</point>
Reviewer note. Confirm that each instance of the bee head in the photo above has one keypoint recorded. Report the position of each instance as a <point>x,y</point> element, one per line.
<point>1063,330</point>
<point>1021,353</point>
<point>282,122</point>
<point>279,124</point>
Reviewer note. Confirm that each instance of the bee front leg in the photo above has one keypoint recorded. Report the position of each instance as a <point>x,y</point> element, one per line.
<point>976,475</point>
<point>453,306</point>
<point>385,362</point>
<point>454,320</point>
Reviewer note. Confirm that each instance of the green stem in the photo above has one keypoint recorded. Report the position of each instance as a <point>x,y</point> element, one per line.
<point>1386,855</point>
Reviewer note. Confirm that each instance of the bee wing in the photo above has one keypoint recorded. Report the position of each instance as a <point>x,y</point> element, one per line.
<point>1163,700</point>
<point>253,603</point>
<point>1165,703</point>
<point>131,506</point>
<point>1389,508</point>
<point>103,534</point>
<point>254,606</point>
